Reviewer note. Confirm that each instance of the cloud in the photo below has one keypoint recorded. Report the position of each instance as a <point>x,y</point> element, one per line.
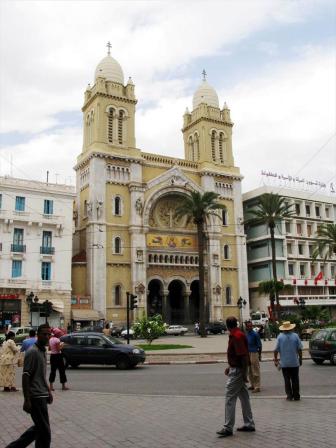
<point>46,66</point>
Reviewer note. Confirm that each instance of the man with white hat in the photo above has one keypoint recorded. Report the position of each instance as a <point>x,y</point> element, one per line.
<point>289,346</point>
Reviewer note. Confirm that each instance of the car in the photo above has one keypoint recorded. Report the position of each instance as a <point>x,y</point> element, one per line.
<point>215,328</point>
<point>322,346</point>
<point>131,334</point>
<point>90,329</point>
<point>96,348</point>
<point>176,330</point>
<point>21,333</point>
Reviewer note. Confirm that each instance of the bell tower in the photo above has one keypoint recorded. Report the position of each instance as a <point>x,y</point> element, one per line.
<point>207,130</point>
<point>109,109</point>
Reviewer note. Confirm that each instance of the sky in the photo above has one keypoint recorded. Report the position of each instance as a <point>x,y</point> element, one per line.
<point>272,61</point>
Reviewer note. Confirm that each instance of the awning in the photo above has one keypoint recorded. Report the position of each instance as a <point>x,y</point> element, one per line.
<point>57,305</point>
<point>85,315</point>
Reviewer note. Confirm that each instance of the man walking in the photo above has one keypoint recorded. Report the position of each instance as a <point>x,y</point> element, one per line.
<point>254,348</point>
<point>238,359</point>
<point>289,346</point>
<point>36,393</point>
<point>27,343</point>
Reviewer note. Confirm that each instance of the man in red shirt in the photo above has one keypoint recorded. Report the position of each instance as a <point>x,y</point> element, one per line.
<point>238,359</point>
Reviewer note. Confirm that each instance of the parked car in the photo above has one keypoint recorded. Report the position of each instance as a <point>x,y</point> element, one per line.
<point>176,330</point>
<point>21,333</point>
<point>322,346</point>
<point>90,329</point>
<point>96,348</point>
<point>123,334</point>
<point>215,328</point>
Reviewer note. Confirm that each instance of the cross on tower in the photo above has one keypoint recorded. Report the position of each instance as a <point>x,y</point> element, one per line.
<point>109,46</point>
<point>204,73</point>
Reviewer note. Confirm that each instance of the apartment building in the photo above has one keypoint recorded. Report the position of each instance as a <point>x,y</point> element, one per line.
<point>312,280</point>
<point>36,223</point>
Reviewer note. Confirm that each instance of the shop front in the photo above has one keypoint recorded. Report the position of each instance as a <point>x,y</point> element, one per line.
<point>10,311</point>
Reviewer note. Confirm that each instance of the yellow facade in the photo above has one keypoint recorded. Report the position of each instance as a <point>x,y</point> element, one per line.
<point>126,223</point>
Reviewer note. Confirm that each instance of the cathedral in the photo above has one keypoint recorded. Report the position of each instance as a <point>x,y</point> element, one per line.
<point>127,236</point>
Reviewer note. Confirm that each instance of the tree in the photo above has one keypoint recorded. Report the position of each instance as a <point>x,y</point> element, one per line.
<point>270,288</point>
<point>270,210</point>
<point>326,243</point>
<point>198,208</point>
<point>149,328</point>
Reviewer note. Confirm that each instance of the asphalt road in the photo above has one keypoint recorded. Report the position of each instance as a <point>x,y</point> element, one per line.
<point>193,380</point>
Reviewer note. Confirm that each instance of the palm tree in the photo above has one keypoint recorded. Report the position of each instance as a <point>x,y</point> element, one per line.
<point>271,209</point>
<point>197,207</point>
<point>326,243</point>
<point>270,288</point>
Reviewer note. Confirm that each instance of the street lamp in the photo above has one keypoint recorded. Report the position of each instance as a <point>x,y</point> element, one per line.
<point>241,304</point>
<point>29,300</point>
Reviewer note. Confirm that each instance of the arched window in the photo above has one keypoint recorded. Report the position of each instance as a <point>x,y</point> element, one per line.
<point>176,259</point>
<point>110,120</point>
<point>181,259</point>
<point>224,217</point>
<point>221,141</point>
<point>213,145</point>
<point>117,245</point>
<point>171,260</point>
<point>226,252</point>
<point>191,148</point>
<point>117,206</point>
<point>161,259</point>
<point>117,295</point>
<point>149,258</point>
<point>191,260</point>
<point>155,259</point>
<point>166,258</point>
<point>120,127</point>
<point>85,209</point>
<point>196,260</point>
<point>196,148</point>
<point>187,260</point>
<point>228,298</point>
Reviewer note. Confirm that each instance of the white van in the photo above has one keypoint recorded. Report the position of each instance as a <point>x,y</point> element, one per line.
<point>259,318</point>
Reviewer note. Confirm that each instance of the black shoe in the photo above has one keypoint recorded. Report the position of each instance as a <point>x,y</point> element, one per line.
<point>289,398</point>
<point>246,429</point>
<point>224,433</point>
<point>297,399</point>
<point>250,388</point>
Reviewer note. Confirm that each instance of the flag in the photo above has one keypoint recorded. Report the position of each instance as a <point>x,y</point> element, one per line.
<point>319,276</point>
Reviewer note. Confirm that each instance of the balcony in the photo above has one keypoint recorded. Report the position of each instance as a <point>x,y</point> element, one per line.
<point>20,248</point>
<point>47,250</point>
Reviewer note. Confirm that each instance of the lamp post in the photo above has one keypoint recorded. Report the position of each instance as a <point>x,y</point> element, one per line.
<point>32,300</point>
<point>241,304</point>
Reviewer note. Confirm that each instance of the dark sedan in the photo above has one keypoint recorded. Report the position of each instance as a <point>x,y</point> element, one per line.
<point>215,328</point>
<point>96,348</point>
<point>322,346</point>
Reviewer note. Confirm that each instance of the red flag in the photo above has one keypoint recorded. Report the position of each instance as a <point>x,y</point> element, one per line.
<point>319,276</point>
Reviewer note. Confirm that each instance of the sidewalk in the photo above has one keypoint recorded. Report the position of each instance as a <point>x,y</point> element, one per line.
<point>101,420</point>
<point>211,349</point>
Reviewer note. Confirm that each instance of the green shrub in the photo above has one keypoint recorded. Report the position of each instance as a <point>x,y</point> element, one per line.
<point>149,328</point>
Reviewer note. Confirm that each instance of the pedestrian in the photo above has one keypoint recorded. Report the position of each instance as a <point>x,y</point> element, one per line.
<point>27,343</point>
<point>196,328</point>
<point>289,346</point>
<point>8,362</point>
<point>238,359</point>
<point>107,330</point>
<point>36,393</point>
<point>267,331</point>
<point>56,360</point>
<point>254,348</point>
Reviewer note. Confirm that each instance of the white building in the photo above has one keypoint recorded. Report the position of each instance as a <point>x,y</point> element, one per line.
<point>36,226</point>
<point>314,281</point>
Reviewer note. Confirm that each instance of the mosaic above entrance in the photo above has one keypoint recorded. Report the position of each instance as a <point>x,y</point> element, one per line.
<point>171,241</point>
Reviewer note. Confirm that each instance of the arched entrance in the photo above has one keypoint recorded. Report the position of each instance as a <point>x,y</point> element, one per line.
<point>194,300</point>
<point>176,302</point>
<point>154,299</point>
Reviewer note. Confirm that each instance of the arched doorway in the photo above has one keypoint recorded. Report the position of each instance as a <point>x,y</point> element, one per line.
<point>176,302</point>
<point>194,300</point>
<point>154,299</point>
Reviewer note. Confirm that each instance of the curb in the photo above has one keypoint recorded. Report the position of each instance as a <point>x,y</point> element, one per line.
<point>215,361</point>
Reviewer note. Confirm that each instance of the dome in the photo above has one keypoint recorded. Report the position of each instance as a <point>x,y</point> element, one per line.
<point>205,94</point>
<point>110,69</point>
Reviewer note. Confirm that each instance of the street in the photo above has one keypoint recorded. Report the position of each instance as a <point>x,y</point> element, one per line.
<point>178,406</point>
<point>194,380</point>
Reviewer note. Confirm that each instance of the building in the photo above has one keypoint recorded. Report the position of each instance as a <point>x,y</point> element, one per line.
<point>314,281</point>
<point>36,226</point>
<point>127,235</point>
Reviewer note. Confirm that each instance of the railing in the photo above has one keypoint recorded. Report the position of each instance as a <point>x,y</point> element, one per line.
<point>18,248</point>
<point>47,250</point>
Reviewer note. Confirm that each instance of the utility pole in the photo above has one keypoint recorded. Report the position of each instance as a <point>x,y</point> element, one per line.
<point>132,303</point>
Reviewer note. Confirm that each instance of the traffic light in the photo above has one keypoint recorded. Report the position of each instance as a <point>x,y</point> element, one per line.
<point>133,302</point>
